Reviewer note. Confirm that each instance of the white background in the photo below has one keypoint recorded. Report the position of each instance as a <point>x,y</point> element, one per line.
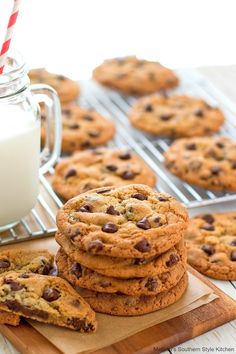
<point>73,36</point>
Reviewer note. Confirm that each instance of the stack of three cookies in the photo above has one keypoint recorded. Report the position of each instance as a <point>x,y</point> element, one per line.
<point>123,249</point>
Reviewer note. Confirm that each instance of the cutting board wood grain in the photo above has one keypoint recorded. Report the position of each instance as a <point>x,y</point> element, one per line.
<point>152,340</point>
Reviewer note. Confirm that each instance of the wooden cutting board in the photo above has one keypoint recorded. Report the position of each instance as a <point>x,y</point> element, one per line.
<point>152,340</point>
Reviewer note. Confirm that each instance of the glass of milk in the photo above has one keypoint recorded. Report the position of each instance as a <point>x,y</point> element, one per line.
<point>21,160</point>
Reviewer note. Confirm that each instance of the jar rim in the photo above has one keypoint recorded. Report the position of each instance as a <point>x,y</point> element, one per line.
<point>16,68</point>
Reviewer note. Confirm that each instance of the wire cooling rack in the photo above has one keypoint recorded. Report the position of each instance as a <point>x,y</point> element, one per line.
<point>41,221</point>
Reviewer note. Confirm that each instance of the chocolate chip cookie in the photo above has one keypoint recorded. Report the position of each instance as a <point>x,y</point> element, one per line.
<point>208,162</point>
<point>83,277</point>
<point>126,305</point>
<point>82,129</point>
<point>35,261</point>
<point>134,76</point>
<point>67,89</point>
<point>211,244</point>
<point>46,299</point>
<point>124,267</point>
<point>131,221</point>
<point>175,116</point>
<point>101,167</point>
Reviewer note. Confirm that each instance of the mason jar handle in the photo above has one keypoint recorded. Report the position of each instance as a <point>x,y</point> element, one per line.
<point>52,148</point>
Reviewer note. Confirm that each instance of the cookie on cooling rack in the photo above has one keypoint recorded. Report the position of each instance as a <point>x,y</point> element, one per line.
<point>67,89</point>
<point>175,116</point>
<point>208,162</point>
<point>100,167</point>
<point>134,76</point>
<point>211,244</point>
<point>83,128</point>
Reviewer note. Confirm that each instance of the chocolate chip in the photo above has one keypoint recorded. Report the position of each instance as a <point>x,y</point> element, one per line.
<point>125,156</point>
<point>61,77</point>
<point>207,227</point>
<point>140,261</point>
<point>110,228</point>
<point>14,285</point>
<point>112,168</point>
<point>191,146</point>
<point>94,134</point>
<point>105,284</point>
<point>233,166</point>
<point>76,270</point>
<point>103,191</point>
<point>74,126</point>
<point>66,112</point>
<point>50,294</point>
<point>4,263</point>
<point>162,199</point>
<point>111,210</point>
<point>139,196</point>
<point>194,165</point>
<point>220,145</point>
<point>96,245</point>
<point>144,224</point>
<point>75,303</point>
<point>127,175</point>
<point>215,170</point>
<point>148,108</point>
<point>70,173</point>
<point>15,306</point>
<point>208,249</point>
<point>151,76</point>
<point>199,113</point>
<point>143,245</point>
<point>233,256</point>
<point>88,118</point>
<point>233,243</point>
<point>151,284</point>
<point>86,208</point>
<point>85,144</point>
<point>166,117</point>
<point>157,220</point>
<point>174,259</point>
<point>24,276</point>
<point>208,218</point>
<point>46,269</point>
<point>78,324</point>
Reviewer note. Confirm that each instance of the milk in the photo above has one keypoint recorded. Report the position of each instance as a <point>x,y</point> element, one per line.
<point>19,163</point>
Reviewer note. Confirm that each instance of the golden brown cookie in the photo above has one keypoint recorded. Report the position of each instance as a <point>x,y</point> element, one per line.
<point>45,299</point>
<point>67,89</point>
<point>124,267</point>
<point>175,116</point>
<point>133,76</point>
<point>126,305</point>
<point>83,277</point>
<point>208,162</point>
<point>211,243</point>
<point>131,221</point>
<point>83,128</point>
<point>35,261</point>
<point>101,167</point>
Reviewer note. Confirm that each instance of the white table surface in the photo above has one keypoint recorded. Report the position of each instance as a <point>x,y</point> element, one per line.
<point>223,338</point>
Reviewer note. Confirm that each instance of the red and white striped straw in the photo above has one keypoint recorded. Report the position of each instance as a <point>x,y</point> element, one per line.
<point>8,36</point>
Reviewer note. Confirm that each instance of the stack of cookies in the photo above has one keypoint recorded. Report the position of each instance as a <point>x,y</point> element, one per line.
<point>122,248</point>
